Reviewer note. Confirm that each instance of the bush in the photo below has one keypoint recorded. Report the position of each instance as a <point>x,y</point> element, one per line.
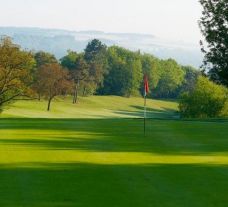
<point>206,100</point>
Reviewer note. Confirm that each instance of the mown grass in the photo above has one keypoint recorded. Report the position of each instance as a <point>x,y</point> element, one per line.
<point>103,161</point>
<point>92,107</point>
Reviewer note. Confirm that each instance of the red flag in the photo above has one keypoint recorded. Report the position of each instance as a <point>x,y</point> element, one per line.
<point>146,85</point>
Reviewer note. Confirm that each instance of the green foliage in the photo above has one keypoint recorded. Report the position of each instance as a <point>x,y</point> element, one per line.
<point>95,51</point>
<point>151,66</point>
<point>172,77</point>
<point>206,100</point>
<point>137,76</point>
<point>214,27</point>
<point>69,61</point>
<point>96,57</point>
<point>116,71</point>
<point>190,79</point>
<point>79,71</point>
<point>124,72</point>
<point>43,58</point>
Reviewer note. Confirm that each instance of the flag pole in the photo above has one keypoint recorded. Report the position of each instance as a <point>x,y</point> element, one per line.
<point>146,90</point>
<point>144,115</point>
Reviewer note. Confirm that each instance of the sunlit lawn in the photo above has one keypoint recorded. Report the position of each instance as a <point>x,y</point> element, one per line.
<point>91,107</point>
<point>106,162</point>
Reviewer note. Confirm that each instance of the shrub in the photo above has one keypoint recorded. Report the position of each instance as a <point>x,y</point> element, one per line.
<point>207,99</point>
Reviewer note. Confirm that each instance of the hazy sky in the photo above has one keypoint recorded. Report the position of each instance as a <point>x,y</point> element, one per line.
<point>171,19</point>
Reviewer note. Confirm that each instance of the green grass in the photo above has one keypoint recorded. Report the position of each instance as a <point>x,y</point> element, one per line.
<point>92,107</point>
<point>101,161</point>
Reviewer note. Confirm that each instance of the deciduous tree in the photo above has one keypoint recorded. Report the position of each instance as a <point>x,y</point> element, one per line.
<point>41,58</point>
<point>172,77</point>
<point>214,27</point>
<point>16,67</point>
<point>78,69</point>
<point>96,57</point>
<point>55,81</point>
<point>206,100</point>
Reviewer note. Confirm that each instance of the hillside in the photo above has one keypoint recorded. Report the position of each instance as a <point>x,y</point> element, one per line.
<point>93,107</point>
<point>59,41</point>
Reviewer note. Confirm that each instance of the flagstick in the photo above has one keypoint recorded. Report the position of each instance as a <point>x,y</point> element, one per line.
<point>144,115</point>
<point>146,90</point>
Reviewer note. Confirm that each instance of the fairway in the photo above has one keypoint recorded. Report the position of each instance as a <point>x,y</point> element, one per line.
<point>92,107</point>
<point>103,160</point>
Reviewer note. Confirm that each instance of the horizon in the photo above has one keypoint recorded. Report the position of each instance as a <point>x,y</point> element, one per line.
<point>176,20</point>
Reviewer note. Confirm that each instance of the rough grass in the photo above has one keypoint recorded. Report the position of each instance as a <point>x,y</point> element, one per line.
<point>107,162</point>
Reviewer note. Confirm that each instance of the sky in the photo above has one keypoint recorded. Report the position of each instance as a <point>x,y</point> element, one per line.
<point>169,19</point>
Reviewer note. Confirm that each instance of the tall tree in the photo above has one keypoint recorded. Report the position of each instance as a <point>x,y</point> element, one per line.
<point>78,69</point>
<point>214,27</point>
<point>16,67</point>
<point>95,56</point>
<point>55,81</point>
<point>41,58</point>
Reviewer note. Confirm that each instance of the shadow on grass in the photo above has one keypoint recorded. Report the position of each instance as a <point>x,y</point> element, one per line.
<point>86,185</point>
<point>164,113</point>
<point>117,135</point>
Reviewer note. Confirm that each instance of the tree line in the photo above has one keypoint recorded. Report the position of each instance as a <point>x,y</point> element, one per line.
<point>98,70</point>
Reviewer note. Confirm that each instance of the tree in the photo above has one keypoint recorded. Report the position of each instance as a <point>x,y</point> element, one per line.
<point>95,56</point>
<point>124,72</point>
<point>172,76</point>
<point>95,50</point>
<point>214,27</point>
<point>16,67</point>
<point>55,81</point>
<point>116,81</point>
<point>190,79</point>
<point>78,69</point>
<point>206,100</point>
<point>42,58</point>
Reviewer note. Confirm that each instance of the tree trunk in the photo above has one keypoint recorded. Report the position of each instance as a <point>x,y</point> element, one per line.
<point>75,94</point>
<point>84,91</point>
<point>75,98</point>
<point>49,104</point>
<point>39,97</point>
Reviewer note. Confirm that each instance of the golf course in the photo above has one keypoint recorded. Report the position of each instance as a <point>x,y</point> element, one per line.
<point>95,154</point>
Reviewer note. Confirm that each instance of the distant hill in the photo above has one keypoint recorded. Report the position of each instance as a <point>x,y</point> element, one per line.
<point>59,41</point>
